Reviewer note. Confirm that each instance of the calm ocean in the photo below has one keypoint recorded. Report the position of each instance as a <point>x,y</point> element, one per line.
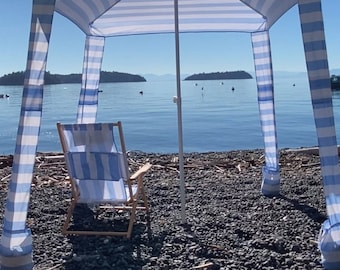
<point>215,118</point>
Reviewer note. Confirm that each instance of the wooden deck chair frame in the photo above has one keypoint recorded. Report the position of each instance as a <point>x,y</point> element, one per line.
<point>136,201</point>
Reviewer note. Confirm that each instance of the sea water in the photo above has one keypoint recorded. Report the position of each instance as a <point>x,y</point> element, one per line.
<point>214,117</point>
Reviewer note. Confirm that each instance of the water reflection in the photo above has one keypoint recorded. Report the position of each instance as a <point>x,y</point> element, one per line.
<point>336,94</point>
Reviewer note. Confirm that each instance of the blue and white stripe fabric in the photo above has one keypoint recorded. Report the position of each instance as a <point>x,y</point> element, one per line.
<point>16,240</point>
<point>319,80</point>
<point>94,162</point>
<point>264,77</point>
<point>95,137</point>
<point>271,10</point>
<point>98,175</point>
<point>88,100</point>
<point>134,17</point>
<point>216,15</point>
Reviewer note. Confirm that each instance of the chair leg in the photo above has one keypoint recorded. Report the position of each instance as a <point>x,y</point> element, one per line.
<point>132,206</point>
<point>132,219</point>
<point>145,199</point>
<point>69,215</point>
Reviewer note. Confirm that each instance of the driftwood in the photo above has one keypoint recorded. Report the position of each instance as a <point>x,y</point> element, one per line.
<point>204,265</point>
<point>308,150</point>
<point>311,164</point>
<point>172,163</point>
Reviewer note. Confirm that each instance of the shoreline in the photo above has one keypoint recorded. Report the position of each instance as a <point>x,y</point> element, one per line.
<point>302,149</point>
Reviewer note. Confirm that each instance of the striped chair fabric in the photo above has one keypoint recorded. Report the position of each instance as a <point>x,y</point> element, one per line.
<point>98,170</point>
<point>98,176</point>
<point>94,163</point>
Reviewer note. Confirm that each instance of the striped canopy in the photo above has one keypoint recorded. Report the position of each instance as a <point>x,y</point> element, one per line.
<point>100,19</point>
<point>129,17</point>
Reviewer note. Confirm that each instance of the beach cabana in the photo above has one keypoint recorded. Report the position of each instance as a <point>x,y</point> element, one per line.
<point>101,19</point>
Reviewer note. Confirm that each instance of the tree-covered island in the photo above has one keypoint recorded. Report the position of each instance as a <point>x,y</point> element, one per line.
<point>228,75</point>
<point>17,78</point>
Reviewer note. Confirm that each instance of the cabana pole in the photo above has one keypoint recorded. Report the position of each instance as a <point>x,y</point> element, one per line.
<point>320,88</point>
<point>88,99</point>
<point>16,246</point>
<point>179,116</point>
<point>265,95</point>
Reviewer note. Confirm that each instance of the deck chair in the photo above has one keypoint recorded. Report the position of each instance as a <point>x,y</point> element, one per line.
<point>99,173</point>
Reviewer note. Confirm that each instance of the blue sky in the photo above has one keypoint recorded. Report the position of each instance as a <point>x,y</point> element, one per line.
<point>155,54</point>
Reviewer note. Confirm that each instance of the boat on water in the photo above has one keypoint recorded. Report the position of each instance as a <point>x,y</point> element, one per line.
<point>335,82</point>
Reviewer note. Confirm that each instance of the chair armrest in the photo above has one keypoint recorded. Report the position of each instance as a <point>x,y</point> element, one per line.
<point>141,171</point>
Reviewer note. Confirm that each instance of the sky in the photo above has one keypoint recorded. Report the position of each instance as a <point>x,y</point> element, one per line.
<point>155,54</point>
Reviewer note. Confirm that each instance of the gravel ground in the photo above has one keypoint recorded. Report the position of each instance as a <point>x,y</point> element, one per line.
<point>229,224</point>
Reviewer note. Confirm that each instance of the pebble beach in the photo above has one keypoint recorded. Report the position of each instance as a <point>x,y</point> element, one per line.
<point>229,224</point>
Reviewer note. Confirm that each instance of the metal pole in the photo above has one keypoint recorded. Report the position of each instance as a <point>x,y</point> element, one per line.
<point>179,116</point>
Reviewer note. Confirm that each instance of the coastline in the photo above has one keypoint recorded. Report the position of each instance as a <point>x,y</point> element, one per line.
<point>230,225</point>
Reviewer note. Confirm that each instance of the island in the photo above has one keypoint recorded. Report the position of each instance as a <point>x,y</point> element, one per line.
<point>17,78</point>
<point>227,75</point>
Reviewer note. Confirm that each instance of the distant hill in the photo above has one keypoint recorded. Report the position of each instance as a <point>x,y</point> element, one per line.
<point>228,75</point>
<point>17,78</point>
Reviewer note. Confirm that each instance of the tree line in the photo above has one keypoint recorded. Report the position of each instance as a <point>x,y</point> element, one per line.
<point>228,75</point>
<point>17,78</point>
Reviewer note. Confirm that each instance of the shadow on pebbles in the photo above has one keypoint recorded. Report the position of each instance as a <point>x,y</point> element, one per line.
<point>229,224</point>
